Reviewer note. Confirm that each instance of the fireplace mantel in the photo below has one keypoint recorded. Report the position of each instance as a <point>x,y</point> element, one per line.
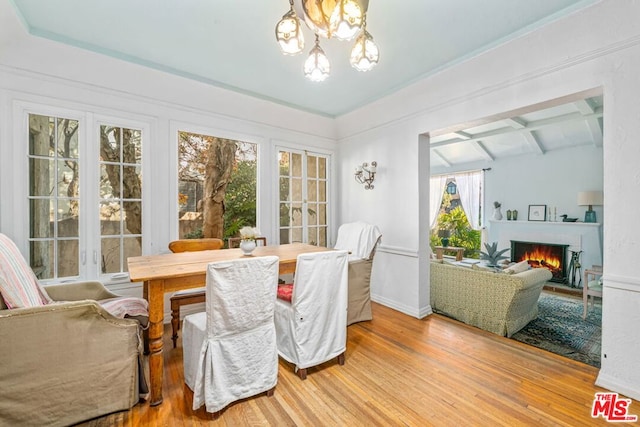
<point>580,236</point>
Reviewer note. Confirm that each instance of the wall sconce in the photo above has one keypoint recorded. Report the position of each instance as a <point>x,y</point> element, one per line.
<point>365,174</point>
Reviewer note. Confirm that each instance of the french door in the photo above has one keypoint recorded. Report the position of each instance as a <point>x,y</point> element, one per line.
<point>303,196</point>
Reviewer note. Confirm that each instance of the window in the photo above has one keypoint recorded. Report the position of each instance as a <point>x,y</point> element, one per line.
<point>85,197</point>
<point>120,197</point>
<point>224,168</point>
<point>303,204</point>
<point>54,201</point>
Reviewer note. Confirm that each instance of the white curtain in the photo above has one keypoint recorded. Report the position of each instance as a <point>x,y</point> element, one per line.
<point>436,190</point>
<point>469,190</point>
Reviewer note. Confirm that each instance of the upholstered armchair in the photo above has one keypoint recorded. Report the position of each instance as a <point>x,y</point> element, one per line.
<point>64,357</point>
<point>360,240</point>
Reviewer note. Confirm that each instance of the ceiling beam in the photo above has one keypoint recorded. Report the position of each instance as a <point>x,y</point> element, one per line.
<point>482,150</point>
<point>462,135</point>
<point>533,142</point>
<point>441,158</point>
<point>515,123</point>
<point>584,107</point>
<point>531,126</point>
<point>596,131</point>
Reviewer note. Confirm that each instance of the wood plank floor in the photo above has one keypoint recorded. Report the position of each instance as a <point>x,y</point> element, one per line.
<point>400,371</point>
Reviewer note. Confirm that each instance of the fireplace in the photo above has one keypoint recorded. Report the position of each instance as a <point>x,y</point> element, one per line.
<point>542,255</point>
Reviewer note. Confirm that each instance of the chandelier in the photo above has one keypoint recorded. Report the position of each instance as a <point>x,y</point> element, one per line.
<point>340,19</point>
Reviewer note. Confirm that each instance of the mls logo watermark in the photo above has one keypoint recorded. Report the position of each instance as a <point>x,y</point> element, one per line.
<point>612,408</point>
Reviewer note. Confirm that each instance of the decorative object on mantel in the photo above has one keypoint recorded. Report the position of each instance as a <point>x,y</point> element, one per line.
<point>590,199</point>
<point>366,173</point>
<point>444,237</point>
<point>497,215</point>
<point>493,255</point>
<point>514,214</point>
<point>566,219</point>
<point>508,214</point>
<point>248,242</point>
<point>537,212</point>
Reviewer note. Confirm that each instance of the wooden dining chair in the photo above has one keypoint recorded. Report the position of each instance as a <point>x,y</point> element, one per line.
<point>234,242</point>
<point>188,296</point>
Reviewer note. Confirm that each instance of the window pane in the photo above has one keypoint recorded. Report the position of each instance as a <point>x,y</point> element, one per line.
<point>229,169</point>
<point>110,250</point>
<point>67,258</point>
<point>313,236</point>
<point>312,214</point>
<point>109,218</point>
<point>284,163</point>
<point>41,255</point>
<point>322,191</point>
<point>296,167</point>
<point>312,191</point>
<point>322,236</point>
<point>41,177</point>
<point>110,148</point>
<point>322,214</point>
<point>296,214</point>
<point>40,129</point>
<point>312,167</point>
<point>296,190</point>
<point>284,236</point>
<point>132,217</point>
<point>284,189</point>
<point>296,235</point>
<point>68,218</point>
<point>322,168</point>
<point>285,215</point>
<point>67,178</point>
<point>131,248</point>
<point>41,211</point>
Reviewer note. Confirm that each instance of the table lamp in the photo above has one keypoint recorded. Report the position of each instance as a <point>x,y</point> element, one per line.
<point>590,199</point>
<point>444,237</point>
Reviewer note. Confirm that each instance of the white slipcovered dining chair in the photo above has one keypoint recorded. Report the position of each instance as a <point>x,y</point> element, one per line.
<point>229,351</point>
<point>360,240</point>
<point>312,328</point>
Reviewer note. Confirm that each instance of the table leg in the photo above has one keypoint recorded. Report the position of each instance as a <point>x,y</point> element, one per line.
<point>439,253</point>
<point>155,293</point>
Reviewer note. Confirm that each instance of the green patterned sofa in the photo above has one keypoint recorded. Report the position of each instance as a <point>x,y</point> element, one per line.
<point>497,302</point>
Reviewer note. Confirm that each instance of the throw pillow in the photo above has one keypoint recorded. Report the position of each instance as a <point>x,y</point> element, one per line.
<point>18,285</point>
<point>285,292</point>
<point>518,267</point>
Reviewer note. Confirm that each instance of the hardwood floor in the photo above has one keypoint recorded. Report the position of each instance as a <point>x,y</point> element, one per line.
<point>400,371</point>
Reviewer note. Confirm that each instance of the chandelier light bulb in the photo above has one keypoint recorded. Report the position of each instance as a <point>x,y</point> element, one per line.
<point>289,33</point>
<point>365,53</point>
<point>317,67</point>
<point>346,20</point>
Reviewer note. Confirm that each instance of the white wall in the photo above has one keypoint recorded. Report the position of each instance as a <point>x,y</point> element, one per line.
<point>594,49</point>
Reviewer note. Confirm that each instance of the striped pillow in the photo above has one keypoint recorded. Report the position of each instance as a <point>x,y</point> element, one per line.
<point>18,285</point>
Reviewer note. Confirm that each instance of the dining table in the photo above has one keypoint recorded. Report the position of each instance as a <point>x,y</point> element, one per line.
<point>173,272</point>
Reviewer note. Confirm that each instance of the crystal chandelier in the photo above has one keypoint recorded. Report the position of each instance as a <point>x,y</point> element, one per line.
<point>340,19</point>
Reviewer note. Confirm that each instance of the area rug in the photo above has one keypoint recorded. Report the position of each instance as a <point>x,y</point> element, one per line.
<point>560,328</point>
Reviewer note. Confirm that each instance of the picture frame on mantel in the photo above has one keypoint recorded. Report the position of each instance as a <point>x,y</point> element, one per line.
<point>537,212</point>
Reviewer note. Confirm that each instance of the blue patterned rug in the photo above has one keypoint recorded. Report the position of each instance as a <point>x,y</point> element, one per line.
<point>560,328</point>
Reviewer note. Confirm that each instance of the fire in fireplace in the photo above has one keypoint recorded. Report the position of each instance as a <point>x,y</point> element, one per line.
<point>542,255</point>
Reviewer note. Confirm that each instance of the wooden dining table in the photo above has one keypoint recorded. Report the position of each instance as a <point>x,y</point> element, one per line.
<point>177,271</point>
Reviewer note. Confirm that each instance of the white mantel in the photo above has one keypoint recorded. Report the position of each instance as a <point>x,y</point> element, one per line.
<point>580,236</point>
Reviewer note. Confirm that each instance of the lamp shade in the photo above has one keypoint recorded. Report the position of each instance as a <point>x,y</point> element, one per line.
<point>590,198</point>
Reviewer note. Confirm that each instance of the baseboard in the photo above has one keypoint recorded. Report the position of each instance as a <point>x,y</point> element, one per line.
<point>409,311</point>
<point>618,386</point>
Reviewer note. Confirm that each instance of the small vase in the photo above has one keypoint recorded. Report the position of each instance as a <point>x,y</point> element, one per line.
<point>497,215</point>
<point>514,215</point>
<point>247,246</point>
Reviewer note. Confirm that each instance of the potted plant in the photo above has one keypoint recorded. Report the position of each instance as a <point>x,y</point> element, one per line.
<point>497,214</point>
<point>248,239</point>
<point>493,255</point>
